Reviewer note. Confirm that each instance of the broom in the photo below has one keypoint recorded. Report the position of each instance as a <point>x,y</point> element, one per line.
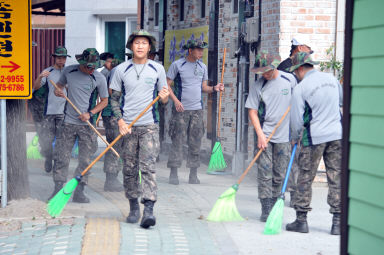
<point>217,161</point>
<point>225,207</point>
<point>89,123</point>
<point>275,218</point>
<point>33,149</point>
<point>57,203</point>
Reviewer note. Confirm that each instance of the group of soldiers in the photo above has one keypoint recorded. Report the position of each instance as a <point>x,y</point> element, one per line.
<point>125,89</point>
<point>313,124</point>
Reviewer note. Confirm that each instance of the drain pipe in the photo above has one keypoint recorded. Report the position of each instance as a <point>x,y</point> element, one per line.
<point>4,193</point>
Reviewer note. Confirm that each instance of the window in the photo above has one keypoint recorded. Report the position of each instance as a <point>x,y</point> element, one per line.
<point>235,6</point>
<point>202,7</point>
<point>115,38</point>
<point>181,10</point>
<point>156,14</point>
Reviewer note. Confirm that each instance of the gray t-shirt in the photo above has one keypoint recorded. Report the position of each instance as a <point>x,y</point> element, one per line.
<point>82,91</point>
<point>271,99</point>
<point>105,72</point>
<point>139,93</point>
<point>316,103</point>
<point>53,104</point>
<point>188,78</point>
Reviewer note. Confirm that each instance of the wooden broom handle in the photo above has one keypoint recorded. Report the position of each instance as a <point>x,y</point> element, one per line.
<point>118,137</point>
<point>260,151</point>
<point>89,123</point>
<point>221,94</point>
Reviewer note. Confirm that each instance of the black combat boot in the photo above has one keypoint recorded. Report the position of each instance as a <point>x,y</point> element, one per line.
<point>112,184</point>
<point>193,176</point>
<point>292,199</point>
<point>79,196</point>
<point>148,218</point>
<point>273,201</point>
<point>265,208</point>
<point>335,230</point>
<point>300,224</point>
<point>134,211</point>
<point>173,178</point>
<point>48,164</point>
<point>58,187</point>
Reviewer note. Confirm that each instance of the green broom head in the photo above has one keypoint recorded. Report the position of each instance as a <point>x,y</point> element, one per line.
<point>275,218</point>
<point>225,208</point>
<point>33,149</point>
<point>57,203</point>
<point>217,161</point>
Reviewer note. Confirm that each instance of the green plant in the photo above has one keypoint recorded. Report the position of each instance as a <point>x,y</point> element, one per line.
<point>332,64</point>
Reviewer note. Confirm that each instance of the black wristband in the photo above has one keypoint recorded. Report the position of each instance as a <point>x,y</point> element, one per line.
<point>90,114</point>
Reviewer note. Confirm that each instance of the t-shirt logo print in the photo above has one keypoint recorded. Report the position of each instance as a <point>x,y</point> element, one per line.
<point>149,80</point>
<point>284,92</point>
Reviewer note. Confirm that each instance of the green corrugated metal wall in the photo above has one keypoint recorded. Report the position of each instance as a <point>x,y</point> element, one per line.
<point>366,162</point>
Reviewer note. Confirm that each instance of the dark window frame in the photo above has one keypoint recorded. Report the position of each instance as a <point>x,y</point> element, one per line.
<point>181,10</point>
<point>235,6</point>
<point>156,9</point>
<point>202,8</point>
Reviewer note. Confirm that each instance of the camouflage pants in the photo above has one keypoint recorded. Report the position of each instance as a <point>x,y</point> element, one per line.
<point>51,127</point>
<point>140,150</point>
<point>63,147</point>
<point>111,161</point>
<point>186,124</point>
<point>36,107</point>
<point>292,180</point>
<point>309,160</point>
<point>272,165</point>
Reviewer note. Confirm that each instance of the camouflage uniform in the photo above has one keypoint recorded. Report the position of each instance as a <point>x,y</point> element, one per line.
<point>186,124</point>
<point>272,165</point>
<point>36,107</point>
<point>111,161</point>
<point>309,160</point>
<point>63,147</point>
<point>140,150</point>
<point>51,125</point>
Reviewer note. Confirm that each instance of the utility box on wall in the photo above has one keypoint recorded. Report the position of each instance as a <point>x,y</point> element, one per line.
<point>252,30</point>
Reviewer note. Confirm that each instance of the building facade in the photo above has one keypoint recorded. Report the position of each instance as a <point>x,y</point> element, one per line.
<point>101,24</point>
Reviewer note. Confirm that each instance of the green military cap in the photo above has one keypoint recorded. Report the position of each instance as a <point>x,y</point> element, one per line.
<point>140,33</point>
<point>60,51</point>
<point>195,43</point>
<point>115,62</point>
<point>302,58</point>
<point>265,62</point>
<point>90,57</point>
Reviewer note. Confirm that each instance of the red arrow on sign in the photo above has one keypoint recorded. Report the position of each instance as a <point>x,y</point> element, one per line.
<point>14,66</point>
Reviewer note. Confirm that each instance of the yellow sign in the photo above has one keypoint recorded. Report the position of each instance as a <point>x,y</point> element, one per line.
<point>15,49</point>
<point>175,39</point>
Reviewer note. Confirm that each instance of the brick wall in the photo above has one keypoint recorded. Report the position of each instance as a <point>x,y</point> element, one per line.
<point>314,20</point>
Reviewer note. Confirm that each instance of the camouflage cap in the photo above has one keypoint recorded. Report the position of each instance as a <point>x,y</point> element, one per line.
<point>265,62</point>
<point>60,51</point>
<point>302,58</point>
<point>195,43</point>
<point>141,33</point>
<point>115,62</point>
<point>90,57</point>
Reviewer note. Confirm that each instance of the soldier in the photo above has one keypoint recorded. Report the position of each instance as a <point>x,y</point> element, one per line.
<point>298,45</point>
<point>111,162</point>
<point>268,99</point>
<point>53,106</point>
<point>190,76</point>
<point>83,84</point>
<point>316,106</point>
<point>107,58</point>
<point>137,81</point>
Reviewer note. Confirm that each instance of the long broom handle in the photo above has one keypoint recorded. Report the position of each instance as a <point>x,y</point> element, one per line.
<point>119,136</point>
<point>259,152</point>
<point>221,94</point>
<point>289,169</point>
<point>89,123</point>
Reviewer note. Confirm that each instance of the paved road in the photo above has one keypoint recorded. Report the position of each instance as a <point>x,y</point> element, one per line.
<point>100,228</point>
